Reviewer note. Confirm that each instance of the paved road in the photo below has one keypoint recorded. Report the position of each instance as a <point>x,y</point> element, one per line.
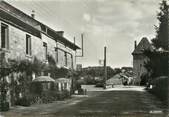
<point>114,103</point>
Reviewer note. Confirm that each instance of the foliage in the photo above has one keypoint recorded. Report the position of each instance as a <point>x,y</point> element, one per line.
<point>24,101</point>
<point>44,97</point>
<point>160,89</point>
<point>37,66</point>
<point>74,76</point>
<point>100,72</point>
<point>117,70</point>
<point>81,91</point>
<point>61,95</point>
<point>3,102</point>
<point>4,106</point>
<point>158,63</point>
<point>144,79</point>
<point>27,66</point>
<point>54,71</point>
<point>99,84</point>
<point>89,80</point>
<point>24,69</point>
<point>36,88</point>
<point>4,67</point>
<point>49,96</point>
<point>22,83</point>
<point>51,60</point>
<point>4,71</point>
<point>161,39</point>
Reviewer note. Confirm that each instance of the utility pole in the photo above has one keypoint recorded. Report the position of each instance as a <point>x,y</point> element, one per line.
<point>82,48</point>
<point>105,68</point>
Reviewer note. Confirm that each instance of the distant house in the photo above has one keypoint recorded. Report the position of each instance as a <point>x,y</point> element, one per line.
<point>126,69</point>
<point>63,84</point>
<point>115,80</point>
<point>139,58</point>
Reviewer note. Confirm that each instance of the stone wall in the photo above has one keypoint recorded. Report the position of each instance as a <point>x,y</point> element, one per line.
<point>17,47</point>
<point>51,45</point>
<point>17,44</point>
<point>138,65</point>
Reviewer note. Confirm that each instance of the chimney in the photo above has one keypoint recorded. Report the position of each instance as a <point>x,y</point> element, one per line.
<point>33,14</point>
<point>60,33</point>
<point>135,44</point>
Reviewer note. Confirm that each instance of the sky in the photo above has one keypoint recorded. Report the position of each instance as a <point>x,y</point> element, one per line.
<point>115,24</point>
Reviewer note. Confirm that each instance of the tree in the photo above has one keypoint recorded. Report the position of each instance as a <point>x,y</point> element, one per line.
<point>161,39</point>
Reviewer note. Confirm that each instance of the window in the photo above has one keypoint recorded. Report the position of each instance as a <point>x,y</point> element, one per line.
<point>71,61</point>
<point>65,58</point>
<point>4,36</point>
<point>45,50</point>
<point>56,50</point>
<point>28,45</point>
<point>44,29</point>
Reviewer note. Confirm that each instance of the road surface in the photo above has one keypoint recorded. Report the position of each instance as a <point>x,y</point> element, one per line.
<point>100,103</point>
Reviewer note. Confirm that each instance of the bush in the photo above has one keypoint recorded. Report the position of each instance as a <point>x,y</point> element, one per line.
<point>45,97</point>
<point>34,99</point>
<point>4,106</point>
<point>49,96</point>
<point>144,79</point>
<point>81,91</point>
<point>36,88</point>
<point>160,88</point>
<point>99,84</point>
<point>61,95</point>
<point>24,101</point>
<point>89,80</point>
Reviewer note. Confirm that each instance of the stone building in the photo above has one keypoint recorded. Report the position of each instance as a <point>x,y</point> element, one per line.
<point>23,37</point>
<point>139,58</point>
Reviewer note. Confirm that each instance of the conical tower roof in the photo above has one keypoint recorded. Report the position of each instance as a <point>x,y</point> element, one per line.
<point>143,45</point>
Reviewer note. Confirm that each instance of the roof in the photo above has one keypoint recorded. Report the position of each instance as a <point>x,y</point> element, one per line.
<point>44,79</point>
<point>8,18</point>
<point>62,80</point>
<point>25,22</point>
<point>116,80</point>
<point>143,45</point>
